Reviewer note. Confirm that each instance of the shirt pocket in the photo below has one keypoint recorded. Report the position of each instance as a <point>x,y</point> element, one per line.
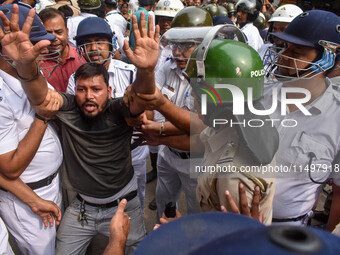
<point>312,156</point>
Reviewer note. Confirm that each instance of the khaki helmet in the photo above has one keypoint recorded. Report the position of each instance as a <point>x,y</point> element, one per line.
<point>192,16</point>
<point>89,4</point>
<point>212,9</point>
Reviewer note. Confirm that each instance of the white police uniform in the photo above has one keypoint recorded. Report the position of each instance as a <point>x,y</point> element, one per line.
<point>312,143</point>
<point>16,117</point>
<point>5,248</point>
<point>173,164</point>
<point>252,35</point>
<point>115,18</point>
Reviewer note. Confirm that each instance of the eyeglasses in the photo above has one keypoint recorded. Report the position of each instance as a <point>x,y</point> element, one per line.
<point>182,46</point>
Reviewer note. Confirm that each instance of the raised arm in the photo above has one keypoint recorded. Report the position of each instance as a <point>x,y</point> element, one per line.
<point>144,57</point>
<point>17,46</point>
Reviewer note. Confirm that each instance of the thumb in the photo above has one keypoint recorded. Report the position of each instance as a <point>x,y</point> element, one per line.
<point>121,206</point>
<point>127,49</point>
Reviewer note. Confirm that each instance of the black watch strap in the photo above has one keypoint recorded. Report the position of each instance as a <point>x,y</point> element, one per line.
<point>42,118</point>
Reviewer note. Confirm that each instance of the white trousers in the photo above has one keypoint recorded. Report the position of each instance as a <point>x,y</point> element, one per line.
<point>5,248</point>
<point>26,227</point>
<point>172,177</point>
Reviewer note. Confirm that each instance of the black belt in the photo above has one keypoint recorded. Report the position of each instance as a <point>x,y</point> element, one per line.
<point>114,203</point>
<point>290,219</point>
<point>183,155</point>
<point>42,183</point>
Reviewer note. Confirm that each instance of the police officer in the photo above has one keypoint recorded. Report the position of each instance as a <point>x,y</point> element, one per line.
<point>88,8</point>
<point>247,12</point>
<point>165,11</point>
<point>278,24</point>
<point>310,53</point>
<point>226,146</point>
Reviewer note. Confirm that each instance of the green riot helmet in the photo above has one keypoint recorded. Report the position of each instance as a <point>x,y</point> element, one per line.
<point>212,9</point>
<point>192,16</point>
<point>181,39</point>
<point>228,74</point>
<point>229,60</point>
<point>222,10</point>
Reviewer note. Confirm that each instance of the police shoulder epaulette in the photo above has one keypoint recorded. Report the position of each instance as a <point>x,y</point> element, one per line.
<point>123,65</point>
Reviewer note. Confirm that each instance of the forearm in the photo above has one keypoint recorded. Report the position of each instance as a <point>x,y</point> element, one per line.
<point>334,216</point>
<point>36,89</point>
<point>170,129</point>
<point>144,83</point>
<point>183,142</point>
<point>115,246</point>
<point>13,163</point>
<point>184,120</point>
<point>19,189</point>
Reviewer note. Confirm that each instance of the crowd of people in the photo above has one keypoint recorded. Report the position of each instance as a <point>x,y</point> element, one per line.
<point>236,103</point>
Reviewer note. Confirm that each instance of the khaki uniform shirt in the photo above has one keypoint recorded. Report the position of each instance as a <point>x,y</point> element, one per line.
<point>224,149</point>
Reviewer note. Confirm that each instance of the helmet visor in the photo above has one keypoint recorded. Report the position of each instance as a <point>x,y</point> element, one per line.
<point>274,67</point>
<point>97,52</point>
<point>48,61</point>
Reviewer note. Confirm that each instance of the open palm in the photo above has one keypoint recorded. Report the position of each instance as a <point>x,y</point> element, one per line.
<point>16,43</point>
<point>145,54</point>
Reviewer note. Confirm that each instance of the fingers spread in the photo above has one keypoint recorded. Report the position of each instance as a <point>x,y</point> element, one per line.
<point>135,29</point>
<point>14,23</point>
<point>150,27</point>
<point>156,36</point>
<point>127,49</point>
<point>142,25</point>
<point>26,28</point>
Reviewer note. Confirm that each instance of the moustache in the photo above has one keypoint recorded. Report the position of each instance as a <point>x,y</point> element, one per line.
<point>89,101</point>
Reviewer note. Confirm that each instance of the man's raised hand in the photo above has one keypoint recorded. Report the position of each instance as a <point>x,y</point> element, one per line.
<point>145,54</point>
<point>16,43</point>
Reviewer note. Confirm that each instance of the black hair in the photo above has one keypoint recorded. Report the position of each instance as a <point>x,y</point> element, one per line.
<point>124,3</point>
<point>89,70</point>
<point>50,13</point>
<point>111,6</point>
<point>68,12</point>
